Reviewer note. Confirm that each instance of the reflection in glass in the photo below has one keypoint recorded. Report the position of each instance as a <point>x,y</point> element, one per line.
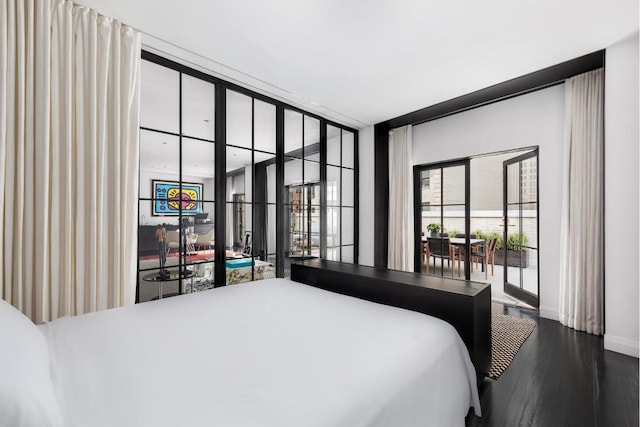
<point>333,254</point>
<point>159,98</point>
<point>292,171</point>
<point>198,165</point>
<point>159,159</point>
<point>347,187</point>
<point>311,135</point>
<point>198,108</point>
<point>333,186</point>
<point>238,172</point>
<point>333,227</point>
<point>292,133</point>
<point>348,226</point>
<point>347,254</point>
<point>238,119</point>
<point>333,145</point>
<point>264,126</point>
<point>271,183</point>
<point>347,149</point>
<point>311,172</point>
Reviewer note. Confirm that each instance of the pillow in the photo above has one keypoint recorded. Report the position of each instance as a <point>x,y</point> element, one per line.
<point>26,390</point>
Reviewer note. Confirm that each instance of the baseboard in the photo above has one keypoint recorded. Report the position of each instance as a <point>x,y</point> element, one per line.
<point>549,313</point>
<point>621,345</point>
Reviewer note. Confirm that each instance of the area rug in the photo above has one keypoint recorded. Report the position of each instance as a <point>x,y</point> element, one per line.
<point>508,333</point>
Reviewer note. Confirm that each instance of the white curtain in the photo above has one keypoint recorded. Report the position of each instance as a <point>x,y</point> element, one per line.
<point>401,233</point>
<point>69,118</point>
<point>582,239</point>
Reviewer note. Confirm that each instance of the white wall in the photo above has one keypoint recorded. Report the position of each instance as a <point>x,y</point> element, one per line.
<point>366,191</point>
<point>621,197</point>
<point>528,120</point>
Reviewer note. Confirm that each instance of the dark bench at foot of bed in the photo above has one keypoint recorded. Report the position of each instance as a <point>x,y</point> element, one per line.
<point>464,304</point>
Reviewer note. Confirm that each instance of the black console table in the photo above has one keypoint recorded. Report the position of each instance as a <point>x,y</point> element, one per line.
<point>465,305</point>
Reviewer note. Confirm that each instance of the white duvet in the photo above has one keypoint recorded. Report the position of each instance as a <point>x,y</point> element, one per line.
<point>265,353</point>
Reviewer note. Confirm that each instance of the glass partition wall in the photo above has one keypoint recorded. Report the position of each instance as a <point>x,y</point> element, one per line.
<point>229,173</point>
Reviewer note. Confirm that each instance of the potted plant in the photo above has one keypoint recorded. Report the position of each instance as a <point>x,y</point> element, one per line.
<point>515,255</point>
<point>433,229</point>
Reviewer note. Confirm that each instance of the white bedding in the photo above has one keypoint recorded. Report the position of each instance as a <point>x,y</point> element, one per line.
<point>266,353</point>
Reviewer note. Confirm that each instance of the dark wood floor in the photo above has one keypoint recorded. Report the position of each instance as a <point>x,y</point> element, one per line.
<point>560,377</point>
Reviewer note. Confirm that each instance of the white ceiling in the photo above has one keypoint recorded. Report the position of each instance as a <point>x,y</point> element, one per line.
<point>361,62</point>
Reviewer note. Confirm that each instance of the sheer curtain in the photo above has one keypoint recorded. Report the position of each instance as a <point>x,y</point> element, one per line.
<point>69,80</point>
<point>401,238</point>
<point>582,238</point>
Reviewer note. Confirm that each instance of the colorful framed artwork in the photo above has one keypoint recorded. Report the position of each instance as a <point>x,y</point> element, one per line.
<point>169,199</point>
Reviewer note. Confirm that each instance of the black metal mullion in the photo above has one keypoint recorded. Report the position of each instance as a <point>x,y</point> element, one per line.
<point>253,188</point>
<point>182,256</point>
<point>467,220</point>
<point>356,200</point>
<point>323,189</point>
<point>442,220</point>
<point>221,185</point>
<point>280,193</point>
<point>340,201</point>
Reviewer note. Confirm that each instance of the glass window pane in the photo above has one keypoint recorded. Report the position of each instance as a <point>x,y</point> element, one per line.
<point>198,108</point>
<point>271,183</point>
<point>238,172</point>
<point>528,179</point>
<point>314,218</point>
<point>198,165</point>
<point>159,160</point>
<point>431,220</point>
<point>454,183</point>
<point>430,187</point>
<point>347,149</point>
<point>347,254</point>
<point>333,227</point>
<point>453,221</point>
<point>513,173</point>
<point>292,133</point>
<point>238,225</point>
<point>333,186</point>
<point>347,187</point>
<point>296,221</point>
<point>264,126</point>
<point>271,230</point>
<point>238,119</point>
<point>348,226</point>
<point>311,172</point>
<point>333,254</point>
<point>203,278</point>
<point>152,289</point>
<point>159,98</point>
<point>292,171</point>
<point>149,248</point>
<point>333,145</point>
<point>311,135</point>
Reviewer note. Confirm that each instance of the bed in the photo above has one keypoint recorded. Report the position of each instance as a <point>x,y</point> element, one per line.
<point>267,353</point>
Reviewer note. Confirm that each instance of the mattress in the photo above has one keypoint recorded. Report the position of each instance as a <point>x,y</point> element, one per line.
<point>266,353</point>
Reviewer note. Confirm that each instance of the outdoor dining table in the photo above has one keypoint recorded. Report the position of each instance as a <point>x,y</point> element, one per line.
<point>461,241</point>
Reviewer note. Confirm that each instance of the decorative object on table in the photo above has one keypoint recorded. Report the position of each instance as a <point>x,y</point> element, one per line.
<point>172,199</point>
<point>508,333</point>
<point>184,233</point>
<point>161,235</point>
<point>433,229</point>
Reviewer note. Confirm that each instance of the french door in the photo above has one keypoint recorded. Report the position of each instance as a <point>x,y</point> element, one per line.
<point>442,219</point>
<point>520,233</point>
